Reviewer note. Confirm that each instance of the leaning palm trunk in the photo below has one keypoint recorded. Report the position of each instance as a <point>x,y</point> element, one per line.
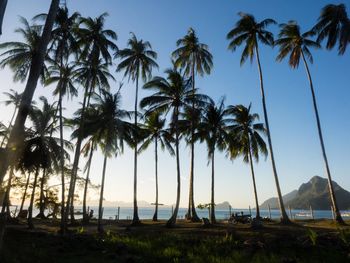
<point>257,216</point>
<point>284,216</point>
<point>335,208</point>
<point>24,194</point>
<point>85,212</point>
<point>135,219</point>
<point>171,222</point>
<point>9,127</point>
<point>155,216</point>
<point>3,4</point>
<point>100,206</point>
<point>30,212</point>
<point>212,202</point>
<point>62,228</point>
<point>16,135</point>
<point>191,212</point>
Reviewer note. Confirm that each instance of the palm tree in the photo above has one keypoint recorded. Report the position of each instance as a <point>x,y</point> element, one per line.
<point>137,60</point>
<point>247,30</point>
<point>247,140</point>
<point>13,98</point>
<point>154,127</point>
<point>41,150</point>
<point>15,137</point>
<point>105,121</point>
<point>64,76</point>
<point>172,94</point>
<point>213,130</point>
<point>334,25</point>
<point>194,57</point>
<point>18,56</point>
<point>295,44</point>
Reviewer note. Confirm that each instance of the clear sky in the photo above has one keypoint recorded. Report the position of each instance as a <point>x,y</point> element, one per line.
<point>293,127</point>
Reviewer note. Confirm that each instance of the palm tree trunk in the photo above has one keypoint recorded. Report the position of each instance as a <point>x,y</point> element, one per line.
<point>4,216</point>
<point>3,4</point>
<point>31,204</point>
<point>16,135</point>
<point>191,213</point>
<point>335,208</point>
<point>24,194</point>
<point>62,225</point>
<point>155,216</point>
<point>135,219</point>
<point>85,215</point>
<point>212,203</point>
<point>257,216</point>
<point>171,222</point>
<point>284,216</point>
<point>42,197</point>
<point>100,206</point>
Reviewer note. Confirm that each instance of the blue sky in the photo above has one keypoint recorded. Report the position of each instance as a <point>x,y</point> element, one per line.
<point>293,127</point>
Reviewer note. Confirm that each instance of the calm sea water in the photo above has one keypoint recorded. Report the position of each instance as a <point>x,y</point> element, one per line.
<point>165,213</point>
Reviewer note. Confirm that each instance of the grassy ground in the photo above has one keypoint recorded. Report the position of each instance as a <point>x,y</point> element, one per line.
<point>306,241</point>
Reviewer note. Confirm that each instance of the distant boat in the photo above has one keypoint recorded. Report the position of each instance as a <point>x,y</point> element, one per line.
<point>345,214</point>
<point>303,214</point>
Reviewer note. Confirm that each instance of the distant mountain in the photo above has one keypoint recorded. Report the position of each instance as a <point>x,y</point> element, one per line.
<point>223,206</point>
<point>314,193</point>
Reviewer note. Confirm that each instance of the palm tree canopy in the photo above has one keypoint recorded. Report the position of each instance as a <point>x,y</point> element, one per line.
<point>13,98</point>
<point>248,30</point>
<point>154,129</point>
<point>213,127</point>
<point>105,121</point>
<point>192,53</point>
<point>137,58</point>
<point>19,55</point>
<point>171,94</point>
<point>334,25</point>
<point>292,42</point>
<point>96,41</point>
<point>246,134</point>
<point>65,77</point>
<point>40,148</point>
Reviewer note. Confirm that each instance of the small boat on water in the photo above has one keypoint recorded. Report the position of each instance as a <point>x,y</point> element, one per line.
<point>303,214</point>
<point>345,214</point>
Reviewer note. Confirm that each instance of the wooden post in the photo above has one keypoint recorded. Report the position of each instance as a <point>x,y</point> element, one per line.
<point>312,213</point>
<point>250,211</point>
<point>269,211</point>
<point>333,216</point>
<point>172,209</point>
<point>230,210</point>
<point>290,212</point>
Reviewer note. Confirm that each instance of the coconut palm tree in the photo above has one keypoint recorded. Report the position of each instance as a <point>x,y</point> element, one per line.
<point>247,140</point>
<point>334,25</point>
<point>194,57</point>
<point>106,122</point>
<point>41,150</point>
<point>154,128</point>
<point>18,56</point>
<point>296,46</point>
<point>95,43</point>
<point>137,60</point>
<point>250,32</point>
<point>213,130</point>
<point>172,94</point>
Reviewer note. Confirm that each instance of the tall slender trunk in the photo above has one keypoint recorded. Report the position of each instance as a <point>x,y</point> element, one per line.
<point>42,197</point>
<point>284,216</point>
<point>135,219</point>
<point>257,216</point>
<point>335,208</point>
<point>62,225</point>
<point>212,202</point>
<point>3,4</point>
<point>16,134</point>
<point>8,128</point>
<point>171,222</point>
<point>85,215</point>
<point>155,216</point>
<point>31,204</point>
<point>24,194</point>
<point>100,206</point>
<point>191,213</point>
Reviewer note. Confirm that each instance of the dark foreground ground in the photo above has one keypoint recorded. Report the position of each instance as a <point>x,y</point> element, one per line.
<point>320,241</point>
